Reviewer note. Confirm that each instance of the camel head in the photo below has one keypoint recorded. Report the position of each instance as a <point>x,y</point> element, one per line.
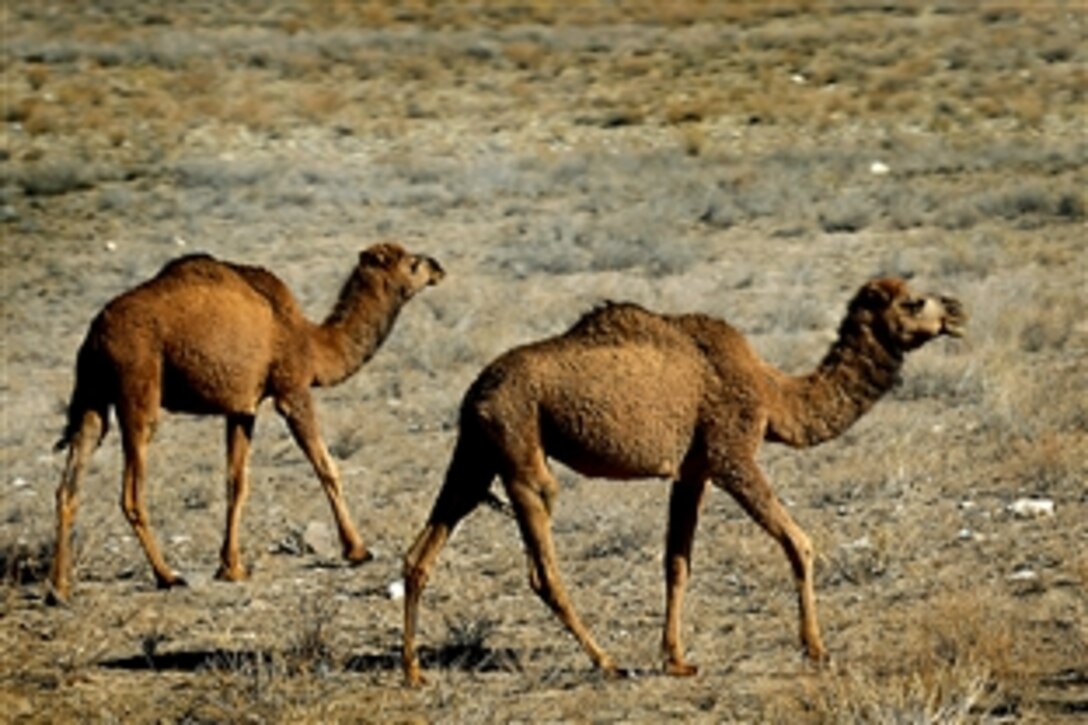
<point>903,320</point>
<point>412,271</point>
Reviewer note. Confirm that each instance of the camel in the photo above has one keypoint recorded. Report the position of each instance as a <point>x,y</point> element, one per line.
<point>627,393</point>
<point>210,337</point>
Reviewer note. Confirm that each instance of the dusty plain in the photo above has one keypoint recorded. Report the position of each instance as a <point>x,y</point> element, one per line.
<point>754,161</point>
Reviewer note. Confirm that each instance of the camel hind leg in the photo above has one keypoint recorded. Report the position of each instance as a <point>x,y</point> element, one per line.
<point>239,436</point>
<point>136,414</point>
<point>82,444</point>
<point>467,480</point>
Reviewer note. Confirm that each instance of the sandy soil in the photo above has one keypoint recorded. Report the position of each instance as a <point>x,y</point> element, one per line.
<point>755,163</point>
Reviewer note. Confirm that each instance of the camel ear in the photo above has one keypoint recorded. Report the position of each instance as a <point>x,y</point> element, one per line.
<point>379,255</point>
<point>876,294</point>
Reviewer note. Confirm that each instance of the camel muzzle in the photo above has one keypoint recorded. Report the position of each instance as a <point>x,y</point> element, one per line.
<point>437,272</point>
<point>954,323</point>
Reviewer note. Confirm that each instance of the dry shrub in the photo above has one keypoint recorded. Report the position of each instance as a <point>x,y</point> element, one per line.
<point>525,55</point>
<point>688,110</point>
<point>36,75</point>
<point>1027,107</point>
<point>319,104</point>
<point>960,659</point>
<point>77,95</point>
<point>1050,463</point>
<point>257,113</point>
<point>42,118</point>
<point>374,15</point>
<point>197,81</point>
<point>693,139</point>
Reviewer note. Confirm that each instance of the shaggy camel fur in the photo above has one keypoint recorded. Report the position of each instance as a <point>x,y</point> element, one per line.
<point>627,393</point>
<point>215,338</point>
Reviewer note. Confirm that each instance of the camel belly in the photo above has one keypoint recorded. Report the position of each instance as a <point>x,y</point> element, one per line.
<point>218,373</point>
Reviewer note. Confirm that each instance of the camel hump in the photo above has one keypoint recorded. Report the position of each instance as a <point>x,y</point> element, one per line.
<point>269,286</point>
<point>614,322</point>
<point>204,268</point>
<point>199,263</point>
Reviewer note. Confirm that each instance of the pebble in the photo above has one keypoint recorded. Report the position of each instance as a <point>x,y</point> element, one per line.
<point>1031,508</point>
<point>1023,575</point>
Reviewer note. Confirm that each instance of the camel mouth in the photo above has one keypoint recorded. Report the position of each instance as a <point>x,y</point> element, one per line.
<point>954,323</point>
<point>954,328</point>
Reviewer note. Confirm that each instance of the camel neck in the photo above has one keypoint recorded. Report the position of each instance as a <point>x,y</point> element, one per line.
<point>358,324</point>
<point>856,372</point>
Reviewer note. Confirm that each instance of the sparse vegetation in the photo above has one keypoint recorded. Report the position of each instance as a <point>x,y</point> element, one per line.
<point>752,160</point>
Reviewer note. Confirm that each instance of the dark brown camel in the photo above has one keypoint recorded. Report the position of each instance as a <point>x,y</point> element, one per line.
<point>627,393</point>
<point>215,338</point>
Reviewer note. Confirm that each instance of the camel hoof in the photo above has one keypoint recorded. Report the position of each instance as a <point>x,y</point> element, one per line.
<point>232,574</point>
<point>681,669</point>
<point>819,658</point>
<point>358,556</point>
<point>56,596</point>
<point>170,583</point>
<point>611,672</point>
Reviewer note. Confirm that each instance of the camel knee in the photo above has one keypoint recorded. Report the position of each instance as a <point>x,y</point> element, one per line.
<point>800,551</point>
<point>132,513</point>
<point>65,503</point>
<point>536,583</point>
<point>415,576</point>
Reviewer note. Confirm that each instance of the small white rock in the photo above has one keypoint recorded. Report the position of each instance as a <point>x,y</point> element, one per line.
<point>395,590</point>
<point>1023,575</point>
<point>879,168</point>
<point>1031,508</point>
<point>19,482</point>
<point>179,241</point>
<point>111,246</point>
<point>965,534</point>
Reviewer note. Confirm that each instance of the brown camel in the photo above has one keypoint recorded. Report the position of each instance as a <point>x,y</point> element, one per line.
<point>627,393</point>
<point>215,338</point>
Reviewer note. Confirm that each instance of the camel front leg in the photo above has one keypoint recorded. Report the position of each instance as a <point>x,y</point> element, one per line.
<point>67,498</point>
<point>685,500</point>
<point>299,413</point>
<point>531,508</point>
<point>752,491</point>
<point>239,437</point>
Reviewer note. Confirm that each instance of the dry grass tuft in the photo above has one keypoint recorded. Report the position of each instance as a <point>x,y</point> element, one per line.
<point>962,659</point>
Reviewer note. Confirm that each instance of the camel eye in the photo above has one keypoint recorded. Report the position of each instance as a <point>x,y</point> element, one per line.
<point>914,306</point>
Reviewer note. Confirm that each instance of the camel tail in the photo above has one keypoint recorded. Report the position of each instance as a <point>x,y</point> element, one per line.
<point>91,393</point>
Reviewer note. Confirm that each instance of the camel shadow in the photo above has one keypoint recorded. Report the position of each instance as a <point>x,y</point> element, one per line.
<point>462,657</point>
<point>210,660</point>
